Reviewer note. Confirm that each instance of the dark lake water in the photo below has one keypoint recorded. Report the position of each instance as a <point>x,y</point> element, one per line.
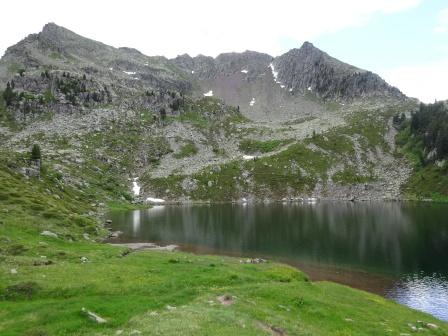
<point>398,250</point>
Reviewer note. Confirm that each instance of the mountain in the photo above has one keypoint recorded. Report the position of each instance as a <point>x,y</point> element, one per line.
<point>268,88</point>
<point>57,48</point>
<point>188,127</point>
<point>309,68</point>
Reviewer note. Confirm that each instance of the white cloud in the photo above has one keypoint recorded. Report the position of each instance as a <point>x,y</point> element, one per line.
<point>197,26</point>
<point>427,82</point>
<point>442,22</point>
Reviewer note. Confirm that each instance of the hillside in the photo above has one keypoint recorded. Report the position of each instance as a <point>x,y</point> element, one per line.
<point>423,140</point>
<point>319,125</point>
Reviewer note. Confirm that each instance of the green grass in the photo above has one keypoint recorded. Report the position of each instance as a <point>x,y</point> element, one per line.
<point>186,150</point>
<point>349,175</point>
<point>133,291</point>
<point>250,146</point>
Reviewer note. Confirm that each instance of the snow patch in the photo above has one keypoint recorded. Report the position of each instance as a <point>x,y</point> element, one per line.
<point>309,88</point>
<point>111,69</point>
<point>248,157</point>
<point>209,94</point>
<point>135,187</point>
<point>244,71</point>
<point>192,71</point>
<point>290,90</point>
<point>155,200</point>
<point>252,102</point>
<point>129,72</point>
<point>274,73</point>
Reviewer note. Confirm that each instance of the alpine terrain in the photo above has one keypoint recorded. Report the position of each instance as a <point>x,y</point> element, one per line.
<point>86,127</point>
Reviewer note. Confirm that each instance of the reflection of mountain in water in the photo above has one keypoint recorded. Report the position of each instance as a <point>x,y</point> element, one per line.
<point>392,237</point>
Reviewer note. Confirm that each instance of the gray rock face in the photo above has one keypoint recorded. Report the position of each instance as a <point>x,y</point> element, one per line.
<point>59,48</point>
<point>206,68</point>
<point>310,69</point>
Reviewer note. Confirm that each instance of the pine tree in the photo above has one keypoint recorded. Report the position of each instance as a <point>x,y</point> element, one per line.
<point>9,94</point>
<point>35,153</point>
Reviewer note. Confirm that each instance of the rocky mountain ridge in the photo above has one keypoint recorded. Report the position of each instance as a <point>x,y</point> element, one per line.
<point>203,128</point>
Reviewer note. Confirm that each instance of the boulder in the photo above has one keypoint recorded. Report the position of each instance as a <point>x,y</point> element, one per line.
<point>48,234</point>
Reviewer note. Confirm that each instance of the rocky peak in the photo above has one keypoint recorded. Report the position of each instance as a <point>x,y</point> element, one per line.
<point>309,69</point>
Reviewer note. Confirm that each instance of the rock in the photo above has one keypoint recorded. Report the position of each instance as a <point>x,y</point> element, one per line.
<point>226,300</point>
<point>93,316</point>
<point>108,221</point>
<point>253,261</point>
<point>432,326</point>
<point>189,184</point>
<point>84,259</point>
<point>135,332</point>
<point>170,307</point>
<point>48,234</point>
<point>115,234</point>
<point>86,236</point>
<point>210,184</point>
<point>13,271</point>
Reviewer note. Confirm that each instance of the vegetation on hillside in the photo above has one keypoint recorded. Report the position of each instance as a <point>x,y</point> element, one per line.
<point>295,170</point>
<point>424,140</point>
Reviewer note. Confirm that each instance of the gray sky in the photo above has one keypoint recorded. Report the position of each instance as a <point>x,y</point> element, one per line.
<point>209,27</point>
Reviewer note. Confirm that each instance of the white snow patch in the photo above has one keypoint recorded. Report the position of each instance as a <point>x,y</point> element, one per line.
<point>309,88</point>
<point>290,90</point>
<point>252,102</point>
<point>129,72</point>
<point>192,71</point>
<point>155,200</point>
<point>136,78</point>
<point>282,86</point>
<point>111,69</point>
<point>135,187</point>
<point>147,64</point>
<point>248,157</point>
<point>274,73</point>
<point>209,94</point>
<point>244,71</point>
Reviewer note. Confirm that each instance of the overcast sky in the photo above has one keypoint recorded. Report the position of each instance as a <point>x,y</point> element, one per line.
<point>405,41</point>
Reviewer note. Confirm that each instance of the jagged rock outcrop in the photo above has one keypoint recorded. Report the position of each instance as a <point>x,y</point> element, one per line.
<point>310,69</point>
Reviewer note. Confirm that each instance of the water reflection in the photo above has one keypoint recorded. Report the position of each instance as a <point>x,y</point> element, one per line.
<point>394,239</point>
